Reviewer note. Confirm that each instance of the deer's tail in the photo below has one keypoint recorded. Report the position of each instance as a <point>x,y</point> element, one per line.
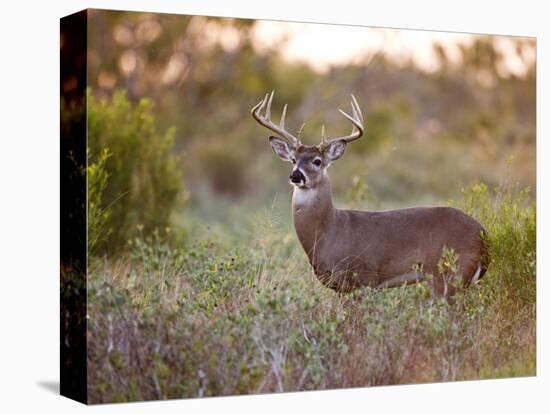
<point>485,258</point>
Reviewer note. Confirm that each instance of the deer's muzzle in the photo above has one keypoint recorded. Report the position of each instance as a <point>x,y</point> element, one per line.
<point>297,177</point>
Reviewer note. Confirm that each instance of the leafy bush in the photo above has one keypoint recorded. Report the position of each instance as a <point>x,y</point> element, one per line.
<point>509,215</point>
<point>244,314</point>
<point>144,175</point>
<point>97,214</point>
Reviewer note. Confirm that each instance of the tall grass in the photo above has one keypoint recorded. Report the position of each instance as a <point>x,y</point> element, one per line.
<point>239,312</point>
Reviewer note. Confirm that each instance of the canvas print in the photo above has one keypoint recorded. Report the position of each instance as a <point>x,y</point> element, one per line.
<point>254,206</point>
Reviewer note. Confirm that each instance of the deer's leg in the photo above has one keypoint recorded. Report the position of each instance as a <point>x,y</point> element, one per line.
<point>446,285</point>
<point>405,279</point>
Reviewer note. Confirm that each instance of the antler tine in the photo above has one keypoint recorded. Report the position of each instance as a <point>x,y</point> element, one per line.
<point>356,121</point>
<point>268,109</point>
<point>266,120</point>
<point>354,103</point>
<point>355,116</point>
<point>301,129</point>
<point>255,108</point>
<point>282,123</point>
<point>258,108</point>
<point>264,102</point>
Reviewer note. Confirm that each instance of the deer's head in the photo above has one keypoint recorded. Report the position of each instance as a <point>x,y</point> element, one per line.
<point>309,162</point>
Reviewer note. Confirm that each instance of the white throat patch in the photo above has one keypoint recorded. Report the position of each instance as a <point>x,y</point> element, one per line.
<point>304,196</point>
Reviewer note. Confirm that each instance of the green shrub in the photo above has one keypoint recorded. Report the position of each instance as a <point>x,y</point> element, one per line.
<point>144,175</point>
<point>244,314</point>
<point>509,215</point>
<point>97,214</point>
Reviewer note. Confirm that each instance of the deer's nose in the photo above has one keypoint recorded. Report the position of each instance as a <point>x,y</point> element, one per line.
<point>297,176</point>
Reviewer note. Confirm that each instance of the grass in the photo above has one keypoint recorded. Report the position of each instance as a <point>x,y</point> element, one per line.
<point>236,309</point>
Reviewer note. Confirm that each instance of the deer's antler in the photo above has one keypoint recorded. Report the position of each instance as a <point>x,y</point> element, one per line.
<point>357,129</point>
<point>266,120</point>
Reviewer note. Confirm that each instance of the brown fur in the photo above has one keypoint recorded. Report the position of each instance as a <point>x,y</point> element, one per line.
<point>348,248</point>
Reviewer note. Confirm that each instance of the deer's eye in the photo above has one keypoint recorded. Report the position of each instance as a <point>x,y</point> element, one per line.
<point>317,162</point>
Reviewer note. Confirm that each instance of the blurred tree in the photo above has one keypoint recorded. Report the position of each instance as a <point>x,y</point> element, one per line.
<point>137,185</point>
<point>204,74</point>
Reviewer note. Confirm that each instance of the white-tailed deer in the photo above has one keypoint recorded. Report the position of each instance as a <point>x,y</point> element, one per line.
<point>349,249</point>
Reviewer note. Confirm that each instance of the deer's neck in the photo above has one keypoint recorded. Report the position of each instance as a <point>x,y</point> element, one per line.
<point>313,214</point>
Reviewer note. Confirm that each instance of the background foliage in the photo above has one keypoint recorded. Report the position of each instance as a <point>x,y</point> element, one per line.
<point>428,133</point>
<point>134,177</point>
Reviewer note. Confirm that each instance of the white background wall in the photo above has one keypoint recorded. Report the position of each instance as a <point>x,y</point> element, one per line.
<point>29,204</point>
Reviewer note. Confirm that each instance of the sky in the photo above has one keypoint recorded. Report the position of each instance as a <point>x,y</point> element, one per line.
<point>323,45</point>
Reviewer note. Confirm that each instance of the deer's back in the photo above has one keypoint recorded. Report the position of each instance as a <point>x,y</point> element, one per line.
<point>385,244</point>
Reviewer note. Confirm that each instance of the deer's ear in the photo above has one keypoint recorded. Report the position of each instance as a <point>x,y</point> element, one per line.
<point>335,150</point>
<point>281,148</point>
